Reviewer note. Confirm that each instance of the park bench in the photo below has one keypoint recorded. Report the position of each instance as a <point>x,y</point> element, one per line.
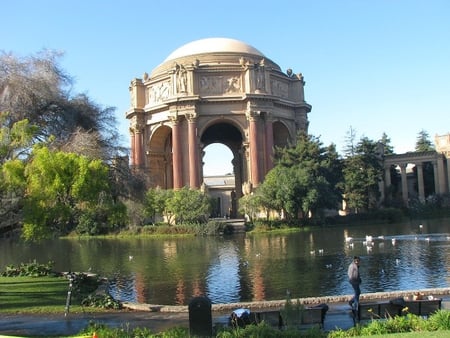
<point>307,317</point>
<point>398,307</point>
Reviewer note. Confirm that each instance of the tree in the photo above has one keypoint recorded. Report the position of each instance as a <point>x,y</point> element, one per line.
<point>37,89</point>
<point>385,141</point>
<point>423,142</point>
<point>350,142</point>
<point>64,192</point>
<point>15,139</point>
<point>304,179</point>
<point>155,202</point>
<point>178,206</point>
<point>189,206</point>
<point>362,174</point>
<point>15,143</point>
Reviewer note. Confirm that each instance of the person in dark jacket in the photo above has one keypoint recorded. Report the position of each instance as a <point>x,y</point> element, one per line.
<point>355,280</point>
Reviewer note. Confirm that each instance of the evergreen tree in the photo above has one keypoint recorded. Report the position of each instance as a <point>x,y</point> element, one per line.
<point>304,179</point>
<point>423,142</point>
<point>385,141</point>
<point>362,174</point>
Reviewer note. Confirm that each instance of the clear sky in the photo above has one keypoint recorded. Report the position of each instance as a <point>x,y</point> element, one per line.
<point>376,66</point>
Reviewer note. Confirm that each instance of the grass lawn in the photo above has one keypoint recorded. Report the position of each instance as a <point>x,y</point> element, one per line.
<point>433,334</point>
<point>36,295</point>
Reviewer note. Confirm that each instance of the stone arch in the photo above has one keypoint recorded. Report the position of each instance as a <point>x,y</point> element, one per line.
<point>228,133</point>
<point>281,134</point>
<point>160,165</point>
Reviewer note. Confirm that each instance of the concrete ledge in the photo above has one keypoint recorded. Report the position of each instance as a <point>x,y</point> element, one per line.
<point>279,304</point>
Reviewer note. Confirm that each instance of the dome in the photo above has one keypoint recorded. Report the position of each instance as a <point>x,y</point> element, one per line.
<point>213,45</point>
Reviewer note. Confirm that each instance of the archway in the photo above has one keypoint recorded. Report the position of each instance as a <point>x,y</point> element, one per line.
<point>228,189</point>
<point>161,158</point>
<point>217,160</point>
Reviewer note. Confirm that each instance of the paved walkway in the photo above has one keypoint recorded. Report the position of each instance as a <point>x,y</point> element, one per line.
<point>338,316</point>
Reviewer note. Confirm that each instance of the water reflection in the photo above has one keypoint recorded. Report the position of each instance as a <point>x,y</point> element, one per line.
<point>253,268</point>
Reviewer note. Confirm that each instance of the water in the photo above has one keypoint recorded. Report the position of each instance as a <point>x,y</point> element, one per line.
<point>254,268</point>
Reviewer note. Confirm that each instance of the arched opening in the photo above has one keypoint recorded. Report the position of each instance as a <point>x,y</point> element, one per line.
<point>160,164</point>
<point>217,160</point>
<point>222,155</point>
<point>281,137</point>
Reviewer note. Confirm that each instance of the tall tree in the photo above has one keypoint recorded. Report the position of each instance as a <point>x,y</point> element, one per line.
<point>64,192</point>
<point>423,142</point>
<point>362,174</point>
<point>37,89</point>
<point>385,142</point>
<point>304,179</point>
<point>350,142</point>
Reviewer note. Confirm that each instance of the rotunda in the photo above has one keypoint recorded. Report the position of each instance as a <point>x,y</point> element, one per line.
<point>214,90</point>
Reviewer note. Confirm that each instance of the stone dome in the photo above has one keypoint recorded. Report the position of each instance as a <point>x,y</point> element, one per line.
<point>213,45</point>
<point>213,51</point>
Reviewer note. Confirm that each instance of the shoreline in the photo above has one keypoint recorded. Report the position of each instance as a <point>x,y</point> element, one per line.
<point>279,304</point>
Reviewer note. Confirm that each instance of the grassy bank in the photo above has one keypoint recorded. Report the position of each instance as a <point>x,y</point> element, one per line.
<point>37,295</point>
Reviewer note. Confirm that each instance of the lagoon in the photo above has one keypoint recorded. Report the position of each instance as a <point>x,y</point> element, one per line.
<point>403,256</point>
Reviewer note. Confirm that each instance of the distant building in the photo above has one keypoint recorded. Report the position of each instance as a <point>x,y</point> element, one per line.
<point>221,189</point>
<point>418,175</point>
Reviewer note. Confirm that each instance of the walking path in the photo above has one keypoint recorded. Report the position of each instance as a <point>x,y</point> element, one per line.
<point>57,325</point>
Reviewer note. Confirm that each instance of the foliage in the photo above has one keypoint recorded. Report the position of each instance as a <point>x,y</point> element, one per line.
<point>250,205</point>
<point>16,139</point>
<point>385,142</point>
<point>304,180</point>
<point>423,142</point>
<point>31,269</point>
<point>37,88</point>
<point>155,202</point>
<point>178,206</point>
<point>398,324</point>
<point>189,205</point>
<point>362,174</point>
<point>65,190</point>
<point>350,142</point>
<point>440,320</point>
<point>104,301</point>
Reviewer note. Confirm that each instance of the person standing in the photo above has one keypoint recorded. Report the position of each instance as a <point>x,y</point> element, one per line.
<point>355,280</point>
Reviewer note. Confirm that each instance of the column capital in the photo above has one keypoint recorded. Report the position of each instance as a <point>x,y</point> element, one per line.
<point>191,116</point>
<point>251,113</point>
<point>173,117</point>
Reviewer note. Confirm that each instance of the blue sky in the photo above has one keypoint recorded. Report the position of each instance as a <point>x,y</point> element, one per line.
<point>376,66</point>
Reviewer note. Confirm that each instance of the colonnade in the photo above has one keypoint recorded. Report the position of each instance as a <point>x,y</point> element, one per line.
<point>441,173</point>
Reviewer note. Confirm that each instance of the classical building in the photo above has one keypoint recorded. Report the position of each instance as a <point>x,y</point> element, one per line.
<point>411,168</point>
<point>208,91</point>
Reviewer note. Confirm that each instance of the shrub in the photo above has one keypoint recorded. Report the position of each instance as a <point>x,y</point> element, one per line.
<point>31,269</point>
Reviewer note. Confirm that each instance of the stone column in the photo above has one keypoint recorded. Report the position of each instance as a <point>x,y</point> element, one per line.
<point>387,176</point>
<point>420,182</point>
<point>194,175</point>
<point>269,143</point>
<point>253,143</point>
<point>387,182</point>
<point>138,146</point>
<point>404,183</point>
<point>133,150</point>
<point>448,174</point>
<point>436,178</point>
<point>441,174</point>
<point>176,154</point>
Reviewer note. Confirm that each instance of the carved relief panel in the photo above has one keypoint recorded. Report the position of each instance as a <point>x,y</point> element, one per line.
<point>158,92</point>
<point>279,88</point>
<point>220,85</point>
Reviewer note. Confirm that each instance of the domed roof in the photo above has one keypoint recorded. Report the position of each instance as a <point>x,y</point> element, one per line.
<point>213,45</point>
